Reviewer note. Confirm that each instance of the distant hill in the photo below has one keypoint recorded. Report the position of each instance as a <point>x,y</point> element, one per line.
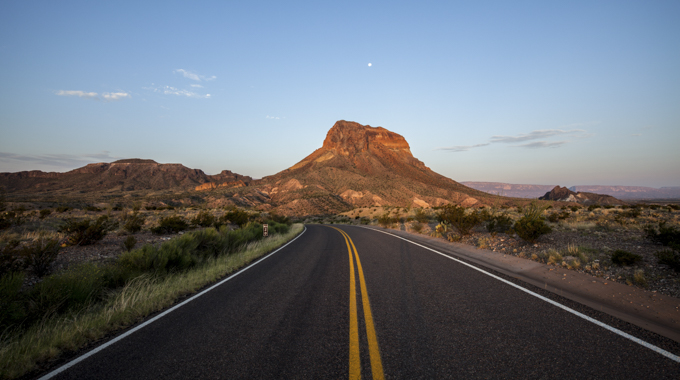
<point>509,189</point>
<point>122,175</point>
<point>563,194</point>
<point>535,191</point>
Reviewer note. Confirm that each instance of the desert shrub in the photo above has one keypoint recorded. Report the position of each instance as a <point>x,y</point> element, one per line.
<point>674,207</point>
<point>11,218</point>
<point>621,257</point>
<point>282,219</point>
<point>204,219</point>
<point>62,209</point>
<point>3,202</point>
<point>92,208</point>
<point>458,218</point>
<point>386,220</point>
<point>669,257</point>
<point>421,216</point>
<point>45,213</point>
<point>86,231</point>
<point>417,227</point>
<point>574,208</point>
<point>11,259</point>
<point>129,243</point>
<point>666,234</point>
<point>593,207</point>
<point>531,225</point>
<point>499,223</point>
<point>235,216</point>
<point>40,254</point>
<point>133,222</point>
<point>170,224</point>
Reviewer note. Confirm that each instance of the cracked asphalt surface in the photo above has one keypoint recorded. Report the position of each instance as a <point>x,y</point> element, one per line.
<point>288,317</point>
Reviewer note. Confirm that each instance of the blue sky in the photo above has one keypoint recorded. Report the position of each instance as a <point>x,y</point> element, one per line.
<point>541,92</point>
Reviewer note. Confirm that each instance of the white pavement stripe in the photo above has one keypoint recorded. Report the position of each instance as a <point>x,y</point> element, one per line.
<point>159,316</point>
<point>587,318</point>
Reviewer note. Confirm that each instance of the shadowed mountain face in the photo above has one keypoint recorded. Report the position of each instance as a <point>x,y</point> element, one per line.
<point>358,166</point>
<point>122,175</point>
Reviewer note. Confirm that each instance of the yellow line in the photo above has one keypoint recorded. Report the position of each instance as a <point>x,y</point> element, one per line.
<point>373,349</point>
<point>354,358</point>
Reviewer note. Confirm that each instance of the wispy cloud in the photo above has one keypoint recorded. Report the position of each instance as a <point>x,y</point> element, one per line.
<point>535,135</point>
<point>196,86</point>
<point>169,90</point>
<point>52,161</point>
<point>541,135</point>
<point>542,144</point>
<point>194,76</point>
<point>461,148</point>
<point>106,96</point>
<point>275,117</point>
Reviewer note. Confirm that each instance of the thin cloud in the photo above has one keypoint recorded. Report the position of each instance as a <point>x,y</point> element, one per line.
<point>535,135</point>
<point>275,117</point>
<point>106,96</point>
<point>54,161</point>
<point>542,144</point>
<point>194,76</point>
<point>169,90</point>
<point>462,148</point>
<point>196,86</point>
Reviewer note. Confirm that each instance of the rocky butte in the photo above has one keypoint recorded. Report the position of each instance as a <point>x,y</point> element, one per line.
<point>361,166</point>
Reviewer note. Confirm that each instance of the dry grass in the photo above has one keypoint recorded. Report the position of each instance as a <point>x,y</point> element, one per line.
<point>142,296</point>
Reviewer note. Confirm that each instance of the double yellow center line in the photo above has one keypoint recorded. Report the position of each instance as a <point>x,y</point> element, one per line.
<point>374,351</point>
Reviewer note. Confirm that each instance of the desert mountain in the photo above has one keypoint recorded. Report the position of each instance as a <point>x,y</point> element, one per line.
<point>535,191</point>
<point>122,175</point>
<point>565,195</point>
<point>359,166</point>
<point>509,189</point>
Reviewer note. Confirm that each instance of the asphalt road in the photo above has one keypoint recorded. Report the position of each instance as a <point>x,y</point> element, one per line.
<point>415,314</point>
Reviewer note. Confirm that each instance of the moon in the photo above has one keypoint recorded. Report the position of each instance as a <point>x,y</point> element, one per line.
<point>370,64</point>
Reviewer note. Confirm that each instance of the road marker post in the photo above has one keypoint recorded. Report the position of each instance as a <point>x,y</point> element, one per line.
<point>265,230</point>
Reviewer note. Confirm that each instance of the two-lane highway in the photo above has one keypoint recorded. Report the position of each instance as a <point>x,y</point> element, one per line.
<point>344,302</point>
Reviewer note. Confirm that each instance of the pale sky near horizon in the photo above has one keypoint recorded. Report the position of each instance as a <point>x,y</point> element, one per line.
<point>534,92</point>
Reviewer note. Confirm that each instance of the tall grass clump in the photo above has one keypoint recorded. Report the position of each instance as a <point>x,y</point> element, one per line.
<point>86,231</point>
<point>532,225</point>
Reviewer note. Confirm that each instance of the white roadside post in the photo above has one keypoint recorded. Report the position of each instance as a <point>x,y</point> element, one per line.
<point>265,230</point>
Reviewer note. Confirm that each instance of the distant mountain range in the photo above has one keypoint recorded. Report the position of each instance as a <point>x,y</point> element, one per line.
<point>535,191</point>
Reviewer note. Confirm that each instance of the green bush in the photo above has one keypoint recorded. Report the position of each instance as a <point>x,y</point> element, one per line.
<point>457,217</point>
<point>133,222</point>
<point>531,225</point>
<point>421,216</point>
<point>170,224</point>
<point>593,207</point>
<point>45,213</point>
<point>669,257</point>
<point>574,208</point>
<point>235,216</point>
<point>86,232</point>
<point>12,305</point>
<point>499,223</point>
<point>62,209</point>
<point>204,219</point>
<point>666,234</point>
<point>92,208</point>
<point>386,220</point>
<point>129,243</point>
<point>40,254</point>
<point>621,257</point>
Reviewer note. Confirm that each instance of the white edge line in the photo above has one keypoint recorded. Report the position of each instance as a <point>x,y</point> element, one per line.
<point>587,318</point>
<point>159,316</point>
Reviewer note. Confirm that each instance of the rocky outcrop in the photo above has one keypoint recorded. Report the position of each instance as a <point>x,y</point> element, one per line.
<point>362,166</point>
<point>563,194</point>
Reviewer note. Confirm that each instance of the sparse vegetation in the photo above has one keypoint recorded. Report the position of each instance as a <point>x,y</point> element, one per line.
<point>457,216</point>
<point>133,222</point>
<point>170,224</point>
<point>86,231</point>
<point>621,257</point>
